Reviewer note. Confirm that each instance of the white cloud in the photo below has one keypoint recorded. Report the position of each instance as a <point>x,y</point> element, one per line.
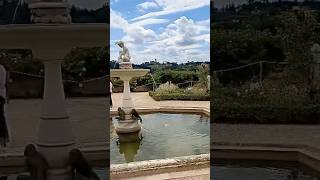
<point>174,6</point>
<point>135,33</point>
<point>150,21</point>
<point>181,40</point>
<point>182,32</point>
<point>203,37</point>
<point>146,5</point>
<point>117,21</point>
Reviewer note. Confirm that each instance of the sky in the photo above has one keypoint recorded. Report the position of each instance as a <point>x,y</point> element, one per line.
<point>166,30</point>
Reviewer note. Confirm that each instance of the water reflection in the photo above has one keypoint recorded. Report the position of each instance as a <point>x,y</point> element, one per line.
<point>164,136</point>
<point>129,145</point>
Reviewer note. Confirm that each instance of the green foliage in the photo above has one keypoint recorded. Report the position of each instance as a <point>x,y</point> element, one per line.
<point>248,113</point>
<point>82,63</point>
<point>180,96</point>
<point>169,91</point>
<point>299,31</point>
<point>167,88</point>
<point>140,81</point>
<point>20,60</point>
<point>236,46</point>
<point>175,76</point>
<point>202,73</point>
<point>276,100</point>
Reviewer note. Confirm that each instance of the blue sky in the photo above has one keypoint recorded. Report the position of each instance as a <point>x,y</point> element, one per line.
<point>166,30</point>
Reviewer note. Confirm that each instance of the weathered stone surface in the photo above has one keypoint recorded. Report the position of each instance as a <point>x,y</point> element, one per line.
<point>163,167</point>
<point>56,12</point>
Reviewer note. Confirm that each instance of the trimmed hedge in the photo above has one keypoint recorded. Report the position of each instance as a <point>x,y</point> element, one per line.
<point>178,96</point>
<point>263,114</point>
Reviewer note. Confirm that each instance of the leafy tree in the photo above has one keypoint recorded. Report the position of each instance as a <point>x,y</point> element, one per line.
<point>84,63</point>
<point>300,30</point>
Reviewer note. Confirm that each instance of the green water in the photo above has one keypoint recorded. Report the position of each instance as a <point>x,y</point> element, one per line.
<point>164,136</point>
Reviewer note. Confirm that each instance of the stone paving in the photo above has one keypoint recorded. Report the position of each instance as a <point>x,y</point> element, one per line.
<point>88,118</point>
<point>143,100</point>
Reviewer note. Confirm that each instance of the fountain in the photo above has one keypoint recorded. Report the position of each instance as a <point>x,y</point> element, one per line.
<point>50,38</point>
<point>128,124</point>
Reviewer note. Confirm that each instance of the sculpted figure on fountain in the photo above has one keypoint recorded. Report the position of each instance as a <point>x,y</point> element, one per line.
<point>124,56</point>
<point>50,11</point>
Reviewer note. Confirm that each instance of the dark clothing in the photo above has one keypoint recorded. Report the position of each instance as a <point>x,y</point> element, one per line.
<point>110,101</point>
<point>3,124</point>
<point>84,169</point>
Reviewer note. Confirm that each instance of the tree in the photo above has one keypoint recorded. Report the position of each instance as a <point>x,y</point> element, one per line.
<point>300,30</point>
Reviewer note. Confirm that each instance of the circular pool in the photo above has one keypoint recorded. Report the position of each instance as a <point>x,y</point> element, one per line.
<point>163,135</point>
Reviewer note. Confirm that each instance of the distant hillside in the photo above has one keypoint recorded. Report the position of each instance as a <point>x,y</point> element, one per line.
<point>90,16</point>
<point>78,15</point>
<point>232,11</point>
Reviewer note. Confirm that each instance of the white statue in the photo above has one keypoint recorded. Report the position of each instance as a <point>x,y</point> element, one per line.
<point>124,56</point>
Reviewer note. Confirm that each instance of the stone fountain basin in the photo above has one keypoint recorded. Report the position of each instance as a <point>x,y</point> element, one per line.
<point>130,73</point>
<point>53,41</point>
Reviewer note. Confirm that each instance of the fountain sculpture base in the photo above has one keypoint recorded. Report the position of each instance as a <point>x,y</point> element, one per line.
<point>127,126</point>
<point>125,65</point>
<point>50,12</point>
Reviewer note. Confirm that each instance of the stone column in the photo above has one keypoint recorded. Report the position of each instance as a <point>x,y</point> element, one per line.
<point>55,137</point>
<point>127,103</point>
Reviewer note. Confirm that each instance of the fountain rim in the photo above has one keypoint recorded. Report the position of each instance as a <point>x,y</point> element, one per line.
<point>128,72</point>
<point>45,5</point>
<point>169,110</point>
<point>179,162</point>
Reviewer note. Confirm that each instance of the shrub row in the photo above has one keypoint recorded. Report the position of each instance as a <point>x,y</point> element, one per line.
<point>179,96</point>
<point>262,114</point>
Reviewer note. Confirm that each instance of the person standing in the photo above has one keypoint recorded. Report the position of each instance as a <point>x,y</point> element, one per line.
<point>111,86</point>
<point>3,96</point>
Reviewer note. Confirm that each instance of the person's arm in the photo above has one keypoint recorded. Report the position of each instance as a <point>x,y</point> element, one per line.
<point>72,170</point>
<point>7,85</point>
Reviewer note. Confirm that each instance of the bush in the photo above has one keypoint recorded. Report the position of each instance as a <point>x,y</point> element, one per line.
<point>175,76</point>
<point>275,101</point>
<point>169,91</point>
<point>241,113</point>
<point>179,96</point>
<point>167,88</point>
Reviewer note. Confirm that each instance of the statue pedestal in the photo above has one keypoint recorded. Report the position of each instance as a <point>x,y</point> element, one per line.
<point>55,136</point>
<point>128,125</point>
<point>50,12</point>
<point>125,65</point>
